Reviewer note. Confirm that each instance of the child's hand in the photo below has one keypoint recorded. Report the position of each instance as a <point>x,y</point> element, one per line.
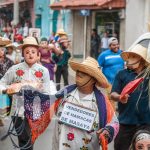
<point>102,133</point>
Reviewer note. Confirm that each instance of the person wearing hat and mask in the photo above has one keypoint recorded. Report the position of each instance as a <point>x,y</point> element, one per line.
<point>30,73</point>
<point>78,102</point>
<point>133,108</point>
<point>5,63</point>
<point>62,61</point>
<point>46,51</point>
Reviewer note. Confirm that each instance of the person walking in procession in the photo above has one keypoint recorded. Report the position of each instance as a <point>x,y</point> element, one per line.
<point>62,61</point>
<point>30,73</point>
<point>133,101</point>
<point>79,103</point>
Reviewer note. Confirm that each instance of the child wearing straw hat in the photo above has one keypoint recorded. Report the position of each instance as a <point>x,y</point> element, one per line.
<point>30,73</point>
<point>84,117</point>
<point>133,106</point>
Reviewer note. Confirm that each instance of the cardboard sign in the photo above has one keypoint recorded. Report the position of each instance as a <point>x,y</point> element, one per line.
<point>78,116</point>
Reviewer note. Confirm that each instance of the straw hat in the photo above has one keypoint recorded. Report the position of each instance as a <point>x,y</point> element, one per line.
<point>140,47</point>
<point>10,45</point>
<point>4,41</point>
<point>90,67</point>
<point>61,32</point>
<point>29,41</point>
<point>137,50</point>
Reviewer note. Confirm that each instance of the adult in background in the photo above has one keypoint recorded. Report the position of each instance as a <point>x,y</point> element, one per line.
<point>95,44</point>
<point>104,42</point>
<point>62,61</point>
<point>133,109</point>
<point>46,51</point>
<point>111,62</point>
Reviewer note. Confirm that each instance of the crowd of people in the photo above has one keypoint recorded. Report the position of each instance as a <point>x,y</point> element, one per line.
<point>85,117</point>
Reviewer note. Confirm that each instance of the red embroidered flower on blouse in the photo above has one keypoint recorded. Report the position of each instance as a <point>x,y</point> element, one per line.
<point>38,74</point>
<point>20,72</point>
<point>70,136</point>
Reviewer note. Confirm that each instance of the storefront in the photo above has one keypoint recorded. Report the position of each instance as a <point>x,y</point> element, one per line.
<point>7,12</point>
<point>103,15</point>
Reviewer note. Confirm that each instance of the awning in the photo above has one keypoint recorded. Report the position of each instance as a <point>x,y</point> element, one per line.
<point>8,2</point>
<point>88,4</point>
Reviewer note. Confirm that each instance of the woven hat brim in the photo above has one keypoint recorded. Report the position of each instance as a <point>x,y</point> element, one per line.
<point>22,46</point>
<point>4,43</point>
<point>61,33</point>
<point>95,73</point>
<point>125,55</point>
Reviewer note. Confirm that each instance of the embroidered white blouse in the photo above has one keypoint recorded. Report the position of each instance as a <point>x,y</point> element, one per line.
<point>22,72</point>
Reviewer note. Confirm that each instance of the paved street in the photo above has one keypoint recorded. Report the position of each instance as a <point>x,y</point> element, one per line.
<point>44,141</point>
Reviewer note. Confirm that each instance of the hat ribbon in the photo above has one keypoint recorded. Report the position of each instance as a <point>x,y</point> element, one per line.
<point>133,63</point>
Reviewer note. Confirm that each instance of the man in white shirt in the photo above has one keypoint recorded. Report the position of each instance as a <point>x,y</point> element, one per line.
<point>104,42</point>
<point>28,72</point>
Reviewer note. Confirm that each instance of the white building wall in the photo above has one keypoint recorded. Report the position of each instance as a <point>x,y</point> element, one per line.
<point>135,21</point>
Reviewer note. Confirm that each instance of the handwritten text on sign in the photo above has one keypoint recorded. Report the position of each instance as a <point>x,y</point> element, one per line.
<point>77,116</point>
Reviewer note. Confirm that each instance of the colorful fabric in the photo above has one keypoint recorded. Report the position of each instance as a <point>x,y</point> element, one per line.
<point>4,105</point>
<point>39,111</point>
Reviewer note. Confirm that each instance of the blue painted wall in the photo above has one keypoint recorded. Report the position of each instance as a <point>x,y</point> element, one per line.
<point>42,12</point>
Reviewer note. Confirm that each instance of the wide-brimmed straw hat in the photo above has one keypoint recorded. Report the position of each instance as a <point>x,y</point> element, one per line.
<point>29,41</point>
<point>137,50</point>
<point>141,47</point>
<point>90,66</point>
<point>4,41</point>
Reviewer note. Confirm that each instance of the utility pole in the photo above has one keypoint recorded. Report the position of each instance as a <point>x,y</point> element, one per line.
<point>16,12</point>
